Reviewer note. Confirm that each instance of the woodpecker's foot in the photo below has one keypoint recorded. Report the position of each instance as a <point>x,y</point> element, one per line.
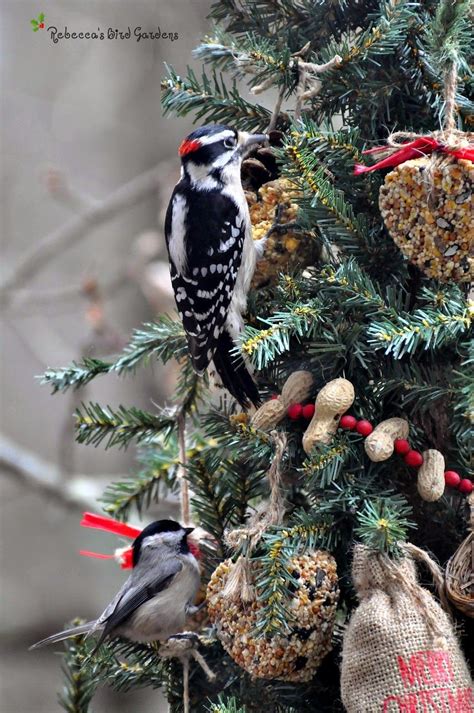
<point>260,246</point>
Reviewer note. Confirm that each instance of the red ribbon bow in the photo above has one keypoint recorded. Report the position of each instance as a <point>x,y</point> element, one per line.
<point>99,522</point>
<point>123,555</point>
<point>423,146</point>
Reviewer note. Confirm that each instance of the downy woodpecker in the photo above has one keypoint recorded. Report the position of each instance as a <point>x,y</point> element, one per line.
<point>211,252</point>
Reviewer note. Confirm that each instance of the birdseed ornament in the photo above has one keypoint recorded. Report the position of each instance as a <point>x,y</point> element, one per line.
<point>296,654</point>
<point>272,209</point>
<point>426,202</point>
<point>234,606</point>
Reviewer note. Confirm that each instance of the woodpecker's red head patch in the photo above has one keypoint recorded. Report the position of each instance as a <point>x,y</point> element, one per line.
<point>188,146</point>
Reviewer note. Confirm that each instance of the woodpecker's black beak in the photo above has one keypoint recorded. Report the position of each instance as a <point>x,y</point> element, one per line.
<point>247,141</point>
<point>251,139</point>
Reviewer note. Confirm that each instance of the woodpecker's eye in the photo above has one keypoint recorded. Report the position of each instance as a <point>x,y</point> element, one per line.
<point>230,142</point>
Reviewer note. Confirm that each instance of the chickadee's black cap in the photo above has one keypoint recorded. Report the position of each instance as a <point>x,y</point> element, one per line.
<point>155,528</point>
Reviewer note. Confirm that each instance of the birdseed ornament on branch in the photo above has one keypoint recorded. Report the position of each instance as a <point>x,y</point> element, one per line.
<point>426,204</point>
<point>273,212</point>
<point>426,201</point>
<point>233,604</point>
<point>400,651</point>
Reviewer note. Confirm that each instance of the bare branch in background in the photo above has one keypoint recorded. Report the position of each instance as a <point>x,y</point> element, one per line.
<point>59,188</point>
<point>43,477</point>
<point>34,259</point>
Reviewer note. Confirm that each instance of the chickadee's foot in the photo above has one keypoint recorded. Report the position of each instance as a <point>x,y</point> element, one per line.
<point>193,609</point>
<point>184,636</point>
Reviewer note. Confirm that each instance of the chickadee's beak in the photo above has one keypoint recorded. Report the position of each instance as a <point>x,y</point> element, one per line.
<point>247,140</point>
<point>188,530</point>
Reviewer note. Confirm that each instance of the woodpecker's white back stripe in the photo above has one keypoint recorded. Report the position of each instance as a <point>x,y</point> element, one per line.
<point>177,247</point>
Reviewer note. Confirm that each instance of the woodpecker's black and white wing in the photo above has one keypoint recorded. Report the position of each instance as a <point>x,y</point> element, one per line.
<point>205,235</point>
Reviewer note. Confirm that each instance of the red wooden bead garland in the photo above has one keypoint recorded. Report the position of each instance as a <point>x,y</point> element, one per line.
<point>294,411</point>
<point>452,478</point>
<point>414,459</point>
<point>364,427</point>
<point>401,446</point>
<point>465,486</point>
<point>348,422</point>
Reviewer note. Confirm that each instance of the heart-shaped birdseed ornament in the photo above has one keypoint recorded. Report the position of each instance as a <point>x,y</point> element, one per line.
<point>293,655</point>
<point>427,206</point>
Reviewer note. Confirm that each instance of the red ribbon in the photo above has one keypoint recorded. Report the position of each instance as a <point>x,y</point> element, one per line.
<point>100,522</point>
<point>125,555</point>
<point>423,146</point>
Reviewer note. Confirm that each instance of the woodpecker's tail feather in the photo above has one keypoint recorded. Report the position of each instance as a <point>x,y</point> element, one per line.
<point>66,634</point>
<point>233,372</point>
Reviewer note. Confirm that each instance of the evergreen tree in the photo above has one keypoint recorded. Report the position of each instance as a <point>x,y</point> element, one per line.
<point>358,309</point>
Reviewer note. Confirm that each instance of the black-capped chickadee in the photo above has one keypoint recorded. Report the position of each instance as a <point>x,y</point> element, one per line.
<point>153,603</point>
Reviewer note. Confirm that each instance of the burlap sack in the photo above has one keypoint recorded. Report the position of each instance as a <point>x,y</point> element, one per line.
<point>400,653</point>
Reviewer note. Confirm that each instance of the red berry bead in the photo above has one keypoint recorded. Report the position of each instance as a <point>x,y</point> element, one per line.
<point>273,397</point>
<point>465,486</point>
<point>414,459</point>
<point>364,427</point>
<point>452,478</point>
<point>308,411</point>
<point>401,446</point>
<point>294,411</point>
<point>348,422</point>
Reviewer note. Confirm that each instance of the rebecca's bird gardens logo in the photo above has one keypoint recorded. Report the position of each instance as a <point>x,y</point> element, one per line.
<point>38,24</point>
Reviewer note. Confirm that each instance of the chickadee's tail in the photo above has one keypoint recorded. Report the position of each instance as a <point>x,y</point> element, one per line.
<point>233,372</point>
<point>66,634</point>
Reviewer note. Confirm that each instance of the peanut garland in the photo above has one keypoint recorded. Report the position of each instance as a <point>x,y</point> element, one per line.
<point>389,436</point>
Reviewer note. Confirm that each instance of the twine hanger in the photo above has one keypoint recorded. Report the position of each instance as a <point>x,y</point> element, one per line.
<point>239,581</point>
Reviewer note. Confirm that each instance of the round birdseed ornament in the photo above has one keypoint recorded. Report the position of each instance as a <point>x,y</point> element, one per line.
<point>427,206</point>
<point>286,249</point>
<point>291,656</point>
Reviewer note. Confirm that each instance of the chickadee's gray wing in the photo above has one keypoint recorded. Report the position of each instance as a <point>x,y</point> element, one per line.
<point>138,589</point>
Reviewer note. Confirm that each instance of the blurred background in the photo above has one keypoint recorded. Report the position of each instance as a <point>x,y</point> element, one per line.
<point>88,165</point>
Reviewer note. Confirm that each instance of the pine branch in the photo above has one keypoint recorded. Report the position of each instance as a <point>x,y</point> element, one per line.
<point>226,705</point>
<point>383,524</point>
<point>75,375</point>
<point>125,665</point>
<point>448,37</point>
<point>94,424</point>
<point>350,287</point>
<point>339,146</point>
<point>429,328</point>
<point>274,575</point>
<point>210,99</point>
<point>463,404</point>
<point>163,340</point>
<point>381,37</point>
<point>158,475</point>
<point>328,208</point>
<point>262,58</point>
<point>234,435</point>
<point>80,685</point>
<point>263,345</point>
<point>327,462</point>
<point>210,495</point>
<point>415,387</point>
